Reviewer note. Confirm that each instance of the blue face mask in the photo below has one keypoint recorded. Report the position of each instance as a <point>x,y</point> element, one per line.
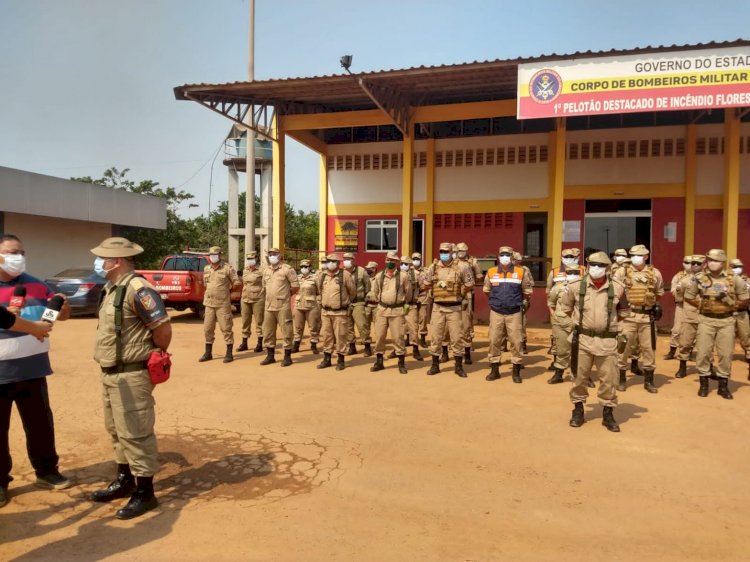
<point>445,257</point>
<point>99,268</point>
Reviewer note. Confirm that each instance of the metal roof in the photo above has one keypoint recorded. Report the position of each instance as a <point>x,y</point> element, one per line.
<point>422,85</point>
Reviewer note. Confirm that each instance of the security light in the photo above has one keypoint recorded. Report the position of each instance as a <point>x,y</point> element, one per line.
<point>346,62</point>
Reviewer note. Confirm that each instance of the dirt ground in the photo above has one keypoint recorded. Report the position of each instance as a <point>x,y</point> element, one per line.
<point>287,464</point>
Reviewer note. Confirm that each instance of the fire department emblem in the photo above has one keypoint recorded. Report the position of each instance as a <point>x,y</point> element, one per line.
<point>147,300</point>
<point>545,86</point>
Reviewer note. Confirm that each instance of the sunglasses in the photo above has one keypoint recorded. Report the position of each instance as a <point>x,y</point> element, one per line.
<point>696,263</point>
<point>569,256</point>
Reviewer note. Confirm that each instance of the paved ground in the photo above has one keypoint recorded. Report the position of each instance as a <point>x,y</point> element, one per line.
<point>271,463</point>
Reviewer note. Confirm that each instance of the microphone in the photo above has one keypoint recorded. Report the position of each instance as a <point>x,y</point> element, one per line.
<point>19,297</point>
<point>53,309</point>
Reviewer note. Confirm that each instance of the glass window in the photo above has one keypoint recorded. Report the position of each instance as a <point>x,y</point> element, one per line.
<point>382,235</point>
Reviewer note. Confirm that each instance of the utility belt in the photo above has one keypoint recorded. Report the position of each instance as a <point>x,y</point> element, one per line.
<point>391,305</point>
<point>640,310</point>
<point>597,334</point>
<point>334,309</point>
<point>450,303</point>
<point>717,316</point>
<point>125,368</point>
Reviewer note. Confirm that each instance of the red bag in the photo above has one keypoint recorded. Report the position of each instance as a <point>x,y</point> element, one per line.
<point>159,365</point>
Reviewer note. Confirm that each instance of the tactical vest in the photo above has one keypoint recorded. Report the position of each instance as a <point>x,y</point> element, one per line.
<point>506,289</point>
<point>562,274</point>
<point>711,303</point>
<point>640,286</point>
<point>447,285</point>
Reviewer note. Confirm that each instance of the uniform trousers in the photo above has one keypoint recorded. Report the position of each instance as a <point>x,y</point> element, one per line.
<point>446,320</point>
<point>639,336</point>
<point>674,339</point>
<point>311,318</point>
<point>221,315</point>
<point>424,317</point>
<point>129,419</point>
<point>388,320</point>
<point>358,317</point>
<point>504,326</point>
<point>333,331</point>
<point>561,330</point>
<point>278,318</point>
<point>606,372</point>
<point>248,311</point>
<point>714,333</point>
<point>742,329</point>
<point>688,331</point>
<point>412,324</point>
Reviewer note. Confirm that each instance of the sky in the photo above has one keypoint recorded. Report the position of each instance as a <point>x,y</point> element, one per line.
<point>88,84</point>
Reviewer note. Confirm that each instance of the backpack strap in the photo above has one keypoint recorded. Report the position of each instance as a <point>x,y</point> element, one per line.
<point>581,297</point>
<point>118,304</point>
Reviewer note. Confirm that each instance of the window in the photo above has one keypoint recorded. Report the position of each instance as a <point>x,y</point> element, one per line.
<point>382,235</point>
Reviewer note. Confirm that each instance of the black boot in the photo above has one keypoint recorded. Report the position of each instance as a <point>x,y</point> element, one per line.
<point>552,365</point>
<point>415,353</point>
<point>259,346</point>
<point>557,378</point>
<point>378,365</point>
<point>435,367</point>
<point>576,419</point>
<point>422,340</point>
<point>608,420</point>
<point>712,372</point>
<point>724,391</point>
<point>207,354</point>
<point>228,357</point>
<point>634,368</point>
<point>671,353</point>
<point>648,382</point>
<point>467,355</point>
<point>444,357</point>
<point>142,500</point>
<point>682,371</point>
<point>623,381</point>
<point>242,346</point>
<point>703,389</point>
<point>748,369</point>
<point>392,354</point>
<point>340,365</point>
<point>516,374</point>
<point>326,361</point>
<point>121,487</point>
<point>368,349</point>
<point>494,372</point>
<point>269,356</point>
<point>402,365</point>
<point>524,349</point>
<point>352,349</point>
<point>314,347</point>
<point>458,367</point>
<point>287,358</point>
<point>295,346</point>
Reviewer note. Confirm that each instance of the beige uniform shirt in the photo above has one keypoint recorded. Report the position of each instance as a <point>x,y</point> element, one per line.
<point>392,292</point>
<point>307,296</point>
<point>219,282</point>
<point>361,282</point>
<point>252,285</point>
<point>689,312</point>
<point>476,271</point>
<point>594,313</point>
<point>707,287</point>
<point>280,282</point>
<point>423,295</point>
<point>337,291</point>
<point>674,286</point>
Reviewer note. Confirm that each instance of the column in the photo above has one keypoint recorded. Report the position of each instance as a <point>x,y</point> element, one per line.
<point>279,188</point>
<point>690,182</point>
<point>731,181</point>
<point>407,192</point>
<point>556,189</point>
<point>429,219</point>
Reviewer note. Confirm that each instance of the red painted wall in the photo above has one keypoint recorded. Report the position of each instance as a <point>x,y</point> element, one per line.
<point>743,238</point>
<point>708,226</point>
<point>573,210</point>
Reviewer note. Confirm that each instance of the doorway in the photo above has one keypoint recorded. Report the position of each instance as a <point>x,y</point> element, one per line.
<point>417,244</point>
<point>613,223</point>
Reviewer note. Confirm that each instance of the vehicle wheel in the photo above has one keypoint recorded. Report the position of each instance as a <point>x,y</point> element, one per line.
<point>199,310</point>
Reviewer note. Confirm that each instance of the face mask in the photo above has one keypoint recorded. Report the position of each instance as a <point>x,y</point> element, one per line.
<point>570,262</point>
<point>416,263</point>
<point>445,258</point>
<point>390,265</point>
<point>332,265</point>
<point>99,268</point>
<point>404,267</point>
<point>597,271</point>
<point>737,270</point>
<point>637,260</point>
<point>347,264</point>
<point>251,263</point>
<point>715,266</point>
<point>273,260</point>
<point>504,260</point>
<point>619,259</point>
<point>213,258</point>
<point>14,265</point>
<point>305,270</point>
<point>462,255</point>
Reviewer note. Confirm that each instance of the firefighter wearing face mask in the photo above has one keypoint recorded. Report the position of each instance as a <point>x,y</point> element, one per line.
<point>220,279</point>
<point>280,282</point>
<point>253,301</point>
<point>717,294</point>
<point>674,340</point>
<point>621,258</point>
<point>509,289</point>
<point>644,286</point>
<point>306,309</point>
<point>371,304</point>
<point>449,280</point>
<point>424,299</point>
<point>690,317</point>
<point>742,325</point>
<point>562,325</point>
<point>411,316</point>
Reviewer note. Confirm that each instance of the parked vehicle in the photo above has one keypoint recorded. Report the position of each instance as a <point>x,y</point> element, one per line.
<point>82,287</point>
<point>179,281</point>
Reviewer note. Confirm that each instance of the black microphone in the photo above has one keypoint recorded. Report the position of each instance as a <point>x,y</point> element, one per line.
<point>53,309</point>
<point>19,297</point>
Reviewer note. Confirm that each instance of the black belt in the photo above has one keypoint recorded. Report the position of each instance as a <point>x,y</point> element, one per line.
<point>595,334</point>
<point>641,310</point>
<point>331,309</point>
<point>391,305</point>
<point>442,303</point>
<point>718,316</point>
<point>125,368</point>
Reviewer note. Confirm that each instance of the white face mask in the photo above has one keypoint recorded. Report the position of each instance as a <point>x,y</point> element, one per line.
<point>213,258</point>
<point>737,270</point>
<point>332,265</point>
<point>637,260</point>
<point>416,263</point>
<point>404,267</point>
<point>570,262</point>
<point>716,266</point>
<point>251,263</point>
<point>597,271</point>
<point>273,259</point>
<point>347,264</point>
<point>13,264</point>
<point>504,260</point>
<point>619,259</point>
<point>305,270</point>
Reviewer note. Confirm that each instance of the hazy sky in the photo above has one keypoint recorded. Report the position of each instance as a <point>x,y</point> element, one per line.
<point>87,84</point>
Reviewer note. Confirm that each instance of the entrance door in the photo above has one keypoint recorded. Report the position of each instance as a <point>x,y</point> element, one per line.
<point>418,237</point>
<point>613,224</point>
